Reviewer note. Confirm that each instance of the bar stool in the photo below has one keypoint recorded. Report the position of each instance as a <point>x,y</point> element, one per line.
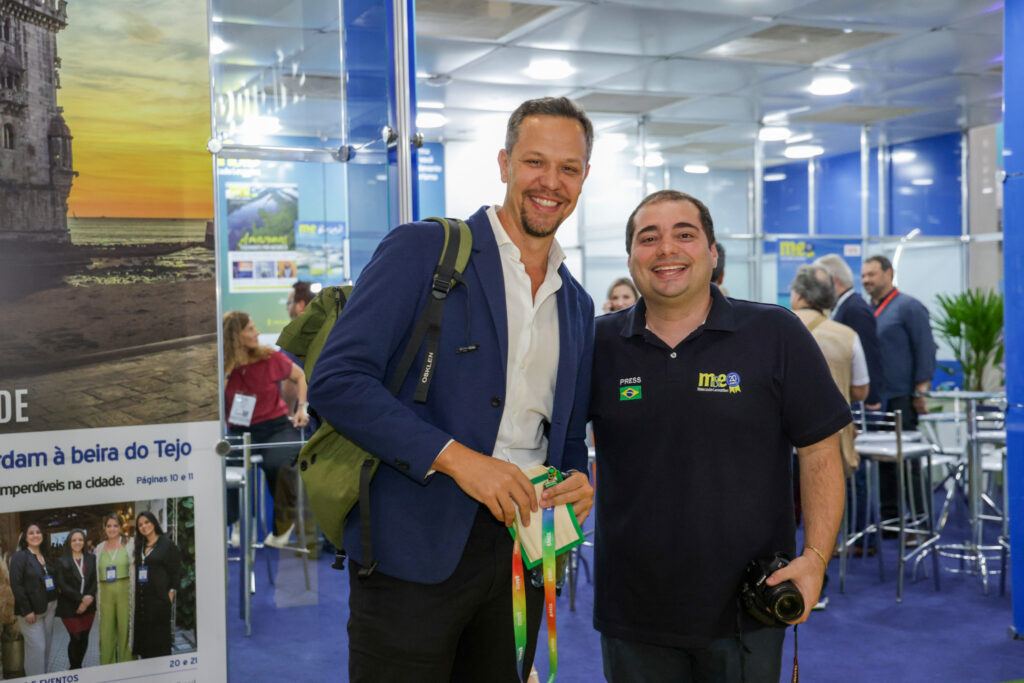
<point>897,450</point>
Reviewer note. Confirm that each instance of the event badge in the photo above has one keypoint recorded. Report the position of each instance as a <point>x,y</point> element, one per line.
<point>48,580</point>
<point>111,573</point>
<point>242,409</point>
<point>143,574</point>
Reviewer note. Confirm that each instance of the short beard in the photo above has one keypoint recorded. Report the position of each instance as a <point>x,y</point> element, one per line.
<point>534,231</point>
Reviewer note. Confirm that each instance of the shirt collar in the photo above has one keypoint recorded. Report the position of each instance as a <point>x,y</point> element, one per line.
<point>720,317</point>
<point>555,253</point>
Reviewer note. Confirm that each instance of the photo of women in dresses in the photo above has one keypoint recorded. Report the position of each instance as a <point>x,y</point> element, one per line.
<point>35,597</point>
<point>158,573</point>
<point>115,566</point>
<point>76,606</point>
<point>254,404</point>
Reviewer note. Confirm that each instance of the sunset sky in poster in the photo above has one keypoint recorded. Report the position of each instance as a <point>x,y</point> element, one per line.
<point>135,91</point>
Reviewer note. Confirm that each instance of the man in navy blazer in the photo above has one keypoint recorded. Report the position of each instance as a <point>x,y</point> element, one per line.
<point>510,390</point>
<point>851,309</point>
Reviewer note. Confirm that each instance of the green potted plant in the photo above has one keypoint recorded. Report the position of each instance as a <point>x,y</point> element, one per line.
<point>972,324</point>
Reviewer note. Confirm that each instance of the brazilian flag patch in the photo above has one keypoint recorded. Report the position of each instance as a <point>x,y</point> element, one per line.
<point>632,393</point>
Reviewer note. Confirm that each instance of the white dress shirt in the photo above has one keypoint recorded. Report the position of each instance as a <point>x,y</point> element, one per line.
<point>532,365</point>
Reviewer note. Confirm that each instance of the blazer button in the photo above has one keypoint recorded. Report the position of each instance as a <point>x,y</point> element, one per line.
<point>495,401</point>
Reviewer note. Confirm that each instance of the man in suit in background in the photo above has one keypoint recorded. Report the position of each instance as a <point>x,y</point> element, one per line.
<point>908,359</point>
<point>851,310</point>
<point>509,392</point>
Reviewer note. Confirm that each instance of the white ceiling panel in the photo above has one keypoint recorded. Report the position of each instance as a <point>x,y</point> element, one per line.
<point>868,86</point>
<point>483,19</point>
<point>696,76</point>
<point>440,56</point>
<point>934,52</point>
<point>483,96</point>
<point>987,24</point>
<point>961,90</point>
<point>631,31</point>
<point>727,109</point>
<point>908,13</point>
<point>743,8</point>
<point>508,65</point>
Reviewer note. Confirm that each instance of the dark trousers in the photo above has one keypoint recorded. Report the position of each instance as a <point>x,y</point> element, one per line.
<point>723,661</point>
<point>888,476</point>
<point>457,630</point>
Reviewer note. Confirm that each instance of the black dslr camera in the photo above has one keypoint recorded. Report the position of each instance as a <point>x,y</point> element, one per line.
<point>771,605</point>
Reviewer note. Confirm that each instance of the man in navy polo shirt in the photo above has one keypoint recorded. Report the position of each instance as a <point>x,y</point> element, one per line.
<point>697,401</point>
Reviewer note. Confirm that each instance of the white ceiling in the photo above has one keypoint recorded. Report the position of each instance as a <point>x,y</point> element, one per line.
<point>933,66</point>
<point>703,74</point>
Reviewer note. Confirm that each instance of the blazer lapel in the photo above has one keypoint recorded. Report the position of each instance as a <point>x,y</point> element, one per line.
<point>568,350</point>
<point>485,272</point>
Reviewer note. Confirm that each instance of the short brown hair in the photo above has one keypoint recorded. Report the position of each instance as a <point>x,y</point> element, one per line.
<point>671,196</point>
<point>548,106</point>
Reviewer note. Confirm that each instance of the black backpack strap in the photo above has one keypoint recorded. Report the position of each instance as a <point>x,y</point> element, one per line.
<point>365,475</point>
<point>428,325</point>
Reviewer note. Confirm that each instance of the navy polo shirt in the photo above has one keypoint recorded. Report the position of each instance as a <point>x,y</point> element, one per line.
<point>694,450</point>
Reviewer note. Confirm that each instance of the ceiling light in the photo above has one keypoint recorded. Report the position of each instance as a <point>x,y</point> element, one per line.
<point>803,151</point>
<point>774,177</point>
<point>847,30</point>
<point>903,156</point>
<point>549,69</point>
<point>796,139</point>
<point>773,133</point>
<point>922,182</point>
<point>430,119</point>
<point>430,105</point>
<point>830,85</point>
<point>218,46</point>
<point>651,160</point>
<point>697,169</point>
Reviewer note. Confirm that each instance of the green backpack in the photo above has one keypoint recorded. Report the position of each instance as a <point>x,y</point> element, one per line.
<point>335,471</point>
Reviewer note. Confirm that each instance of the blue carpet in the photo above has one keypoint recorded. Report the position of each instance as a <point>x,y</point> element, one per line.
<point>955,634</point>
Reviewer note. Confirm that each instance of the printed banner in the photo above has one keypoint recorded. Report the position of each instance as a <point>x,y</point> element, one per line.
<point>108,380</point>
<point>794,253</point>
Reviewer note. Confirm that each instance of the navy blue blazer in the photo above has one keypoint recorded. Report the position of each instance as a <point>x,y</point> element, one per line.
<point>421,523</point>
<point>856,313</point>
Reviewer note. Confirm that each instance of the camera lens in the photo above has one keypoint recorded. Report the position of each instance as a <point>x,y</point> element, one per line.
<point>789,606</point>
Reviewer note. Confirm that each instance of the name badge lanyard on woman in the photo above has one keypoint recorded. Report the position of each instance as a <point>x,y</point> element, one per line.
<point>519,590</point>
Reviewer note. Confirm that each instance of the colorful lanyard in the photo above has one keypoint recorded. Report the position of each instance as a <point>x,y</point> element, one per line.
<point>885,302</point>
<point>519,591</point>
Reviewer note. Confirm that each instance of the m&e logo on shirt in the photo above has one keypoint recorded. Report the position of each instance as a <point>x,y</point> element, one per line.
<point>719,382</point>
<point>629,389</point>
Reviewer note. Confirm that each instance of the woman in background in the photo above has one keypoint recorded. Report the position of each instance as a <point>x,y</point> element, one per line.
<point>622,294</point>
<point>35,597</point>
<point>157,575</point>
<point>254,404</point>
<point>115,565</point>
<point>76,606</point>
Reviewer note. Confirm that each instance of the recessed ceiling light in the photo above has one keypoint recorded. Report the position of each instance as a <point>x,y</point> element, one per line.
<point>847,30</point>
<point>698,169</point>
<point>549,69</point>
<point>903,156</point>
<point>773,133</point>
<point>217,46</point>
<point>830,85</point>
<point>430,105</point>
<point>651,160</point>
<point>796,139</point>
<point>803,151</point>
<point>430,119</point>
<point>922,182</point>
<point>774,177</point>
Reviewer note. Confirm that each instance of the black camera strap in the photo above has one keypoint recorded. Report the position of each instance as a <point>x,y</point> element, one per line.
<point>796,665</point>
